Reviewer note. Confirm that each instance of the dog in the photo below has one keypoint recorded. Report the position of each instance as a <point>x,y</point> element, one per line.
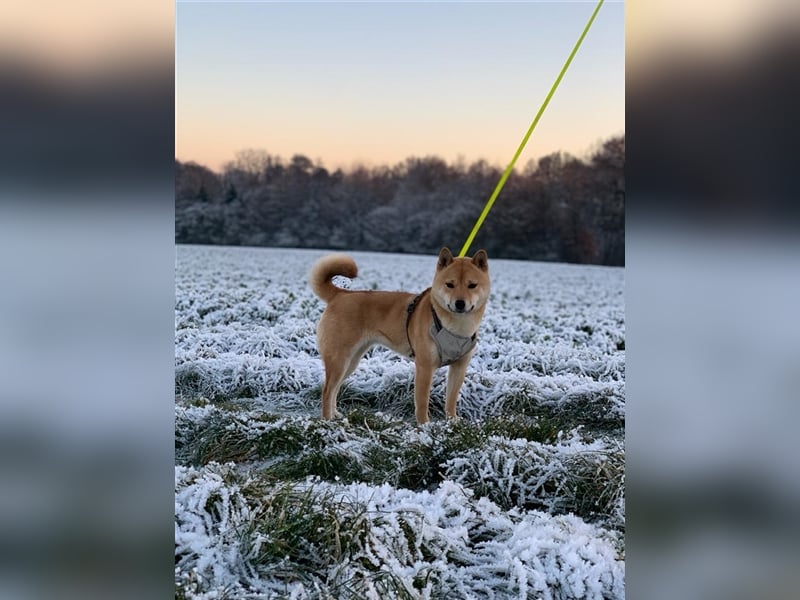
<point>435,328</point>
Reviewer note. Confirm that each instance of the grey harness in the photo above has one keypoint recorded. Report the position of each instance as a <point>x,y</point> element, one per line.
<point>451,347</point>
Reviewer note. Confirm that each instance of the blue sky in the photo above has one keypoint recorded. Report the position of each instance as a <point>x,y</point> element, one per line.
<point>376,82</point>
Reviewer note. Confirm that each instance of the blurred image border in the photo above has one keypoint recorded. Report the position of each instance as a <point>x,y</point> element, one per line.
<point>86,333</point>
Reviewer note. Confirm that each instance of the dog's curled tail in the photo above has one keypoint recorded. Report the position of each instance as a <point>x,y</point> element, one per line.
<point>327,268</point>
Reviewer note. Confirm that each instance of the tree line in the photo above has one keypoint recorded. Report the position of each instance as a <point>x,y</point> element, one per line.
<point>558,208</point>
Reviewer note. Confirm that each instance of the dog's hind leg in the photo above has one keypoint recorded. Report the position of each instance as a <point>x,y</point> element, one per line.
<point>336,371</point>
<point>334,376</point>
<point>356,358</point>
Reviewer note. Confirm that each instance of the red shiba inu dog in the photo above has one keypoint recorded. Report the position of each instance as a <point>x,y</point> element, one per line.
<point>436,328</point>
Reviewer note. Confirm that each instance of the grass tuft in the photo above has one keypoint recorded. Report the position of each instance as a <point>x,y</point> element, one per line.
<point>299,534</point>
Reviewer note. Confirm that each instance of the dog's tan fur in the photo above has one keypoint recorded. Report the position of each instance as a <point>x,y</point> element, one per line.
<point>354,321</point>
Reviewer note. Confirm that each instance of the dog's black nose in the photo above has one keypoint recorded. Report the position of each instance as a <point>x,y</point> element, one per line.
<point>460,305</point>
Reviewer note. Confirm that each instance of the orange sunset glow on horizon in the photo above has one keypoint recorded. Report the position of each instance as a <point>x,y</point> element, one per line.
<point>373,84</point>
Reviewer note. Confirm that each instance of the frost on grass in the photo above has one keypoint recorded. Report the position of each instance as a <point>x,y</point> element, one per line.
<point>318,539</point>
<point>514,462</point>
<point>522,497</point>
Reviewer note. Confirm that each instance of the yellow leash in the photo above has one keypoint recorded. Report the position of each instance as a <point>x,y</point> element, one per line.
<point>510,167</point>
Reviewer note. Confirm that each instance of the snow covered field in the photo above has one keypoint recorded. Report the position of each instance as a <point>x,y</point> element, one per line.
<point>523,497</point>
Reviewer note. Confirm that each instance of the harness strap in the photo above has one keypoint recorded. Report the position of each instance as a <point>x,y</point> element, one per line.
<point>410,311</point>
<point>451,347</point>
<point>440,335</point>
<point>436,320</point>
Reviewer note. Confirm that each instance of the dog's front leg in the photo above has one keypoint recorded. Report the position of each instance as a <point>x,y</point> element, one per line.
<point>423,379</point>
<point>455,377</point>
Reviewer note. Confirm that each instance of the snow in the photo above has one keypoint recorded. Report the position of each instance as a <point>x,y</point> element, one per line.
<point>499,525</point>
<point>464,547</point>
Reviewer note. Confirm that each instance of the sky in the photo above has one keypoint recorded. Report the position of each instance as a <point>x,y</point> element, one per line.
<point>374,83</point>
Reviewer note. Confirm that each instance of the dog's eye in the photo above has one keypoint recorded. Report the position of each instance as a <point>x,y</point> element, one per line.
<point>472,285</point>
<point>450,285</point>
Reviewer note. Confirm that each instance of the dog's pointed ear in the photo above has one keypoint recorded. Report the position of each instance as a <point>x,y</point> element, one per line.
<point>445,258</point>
<point>481,260</point>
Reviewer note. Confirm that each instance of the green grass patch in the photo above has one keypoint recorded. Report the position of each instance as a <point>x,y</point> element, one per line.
<point>515,461</point>
<point>307,535</point>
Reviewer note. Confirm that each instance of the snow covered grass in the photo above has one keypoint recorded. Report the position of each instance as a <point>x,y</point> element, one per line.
<point>523,497</point>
